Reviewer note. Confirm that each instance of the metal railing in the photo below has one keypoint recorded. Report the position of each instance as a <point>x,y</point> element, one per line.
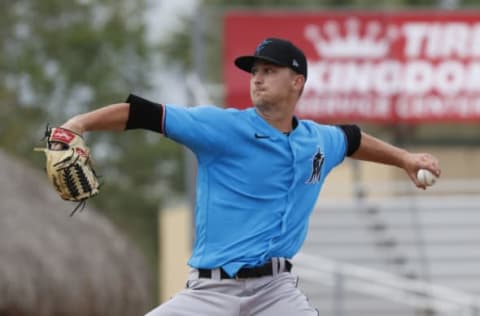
<point>433,232</point>
<point>418,294</point>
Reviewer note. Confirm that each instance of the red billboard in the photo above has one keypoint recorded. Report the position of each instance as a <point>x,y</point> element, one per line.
<point>369,66</point>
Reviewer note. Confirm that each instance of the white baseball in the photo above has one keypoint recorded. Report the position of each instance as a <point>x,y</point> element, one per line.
<point>426,177</point>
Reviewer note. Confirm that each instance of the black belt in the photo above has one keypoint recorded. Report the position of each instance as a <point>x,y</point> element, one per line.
<point>247,273</point>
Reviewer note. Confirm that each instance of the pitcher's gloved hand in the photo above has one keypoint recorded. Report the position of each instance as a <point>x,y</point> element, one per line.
<point>69,166</point>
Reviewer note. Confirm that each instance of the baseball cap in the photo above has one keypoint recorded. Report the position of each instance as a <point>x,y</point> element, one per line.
<point>276,51</point>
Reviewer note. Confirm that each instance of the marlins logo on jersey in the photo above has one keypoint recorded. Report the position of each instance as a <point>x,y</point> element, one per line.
<point>317,163</point>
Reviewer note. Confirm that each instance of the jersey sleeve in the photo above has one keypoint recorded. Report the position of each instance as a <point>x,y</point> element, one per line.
<point>197,128</point>
<point>335,146</point>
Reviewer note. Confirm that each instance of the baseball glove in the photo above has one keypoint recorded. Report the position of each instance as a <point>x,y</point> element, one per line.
<point>69,167</point>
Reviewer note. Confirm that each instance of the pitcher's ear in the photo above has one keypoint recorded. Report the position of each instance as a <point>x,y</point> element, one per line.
<point>299,82</point>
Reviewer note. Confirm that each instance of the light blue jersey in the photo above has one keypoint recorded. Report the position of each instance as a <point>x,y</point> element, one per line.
<point>256,187</point>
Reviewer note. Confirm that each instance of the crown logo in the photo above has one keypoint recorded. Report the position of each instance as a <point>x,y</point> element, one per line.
<point>351,41</point>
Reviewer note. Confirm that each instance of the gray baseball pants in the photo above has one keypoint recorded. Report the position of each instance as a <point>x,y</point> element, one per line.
<point>275,295</point>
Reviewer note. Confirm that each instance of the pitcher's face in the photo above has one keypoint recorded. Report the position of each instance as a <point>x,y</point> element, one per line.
<point>271,84</point>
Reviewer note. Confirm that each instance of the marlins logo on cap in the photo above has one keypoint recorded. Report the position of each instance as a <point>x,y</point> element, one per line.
<point>276,51</point>
<point>262,46</point>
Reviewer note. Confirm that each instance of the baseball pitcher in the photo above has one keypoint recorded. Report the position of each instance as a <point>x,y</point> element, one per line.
<point>260,171</point>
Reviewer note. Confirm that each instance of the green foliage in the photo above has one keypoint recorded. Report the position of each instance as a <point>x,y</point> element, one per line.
<point>60,58</point>
<point>178,46</point>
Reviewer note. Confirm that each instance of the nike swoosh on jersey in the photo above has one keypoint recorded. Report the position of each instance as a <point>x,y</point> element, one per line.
<point>260,136</point>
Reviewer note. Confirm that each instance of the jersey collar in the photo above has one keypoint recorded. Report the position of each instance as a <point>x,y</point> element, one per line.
<point>264,128</point>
